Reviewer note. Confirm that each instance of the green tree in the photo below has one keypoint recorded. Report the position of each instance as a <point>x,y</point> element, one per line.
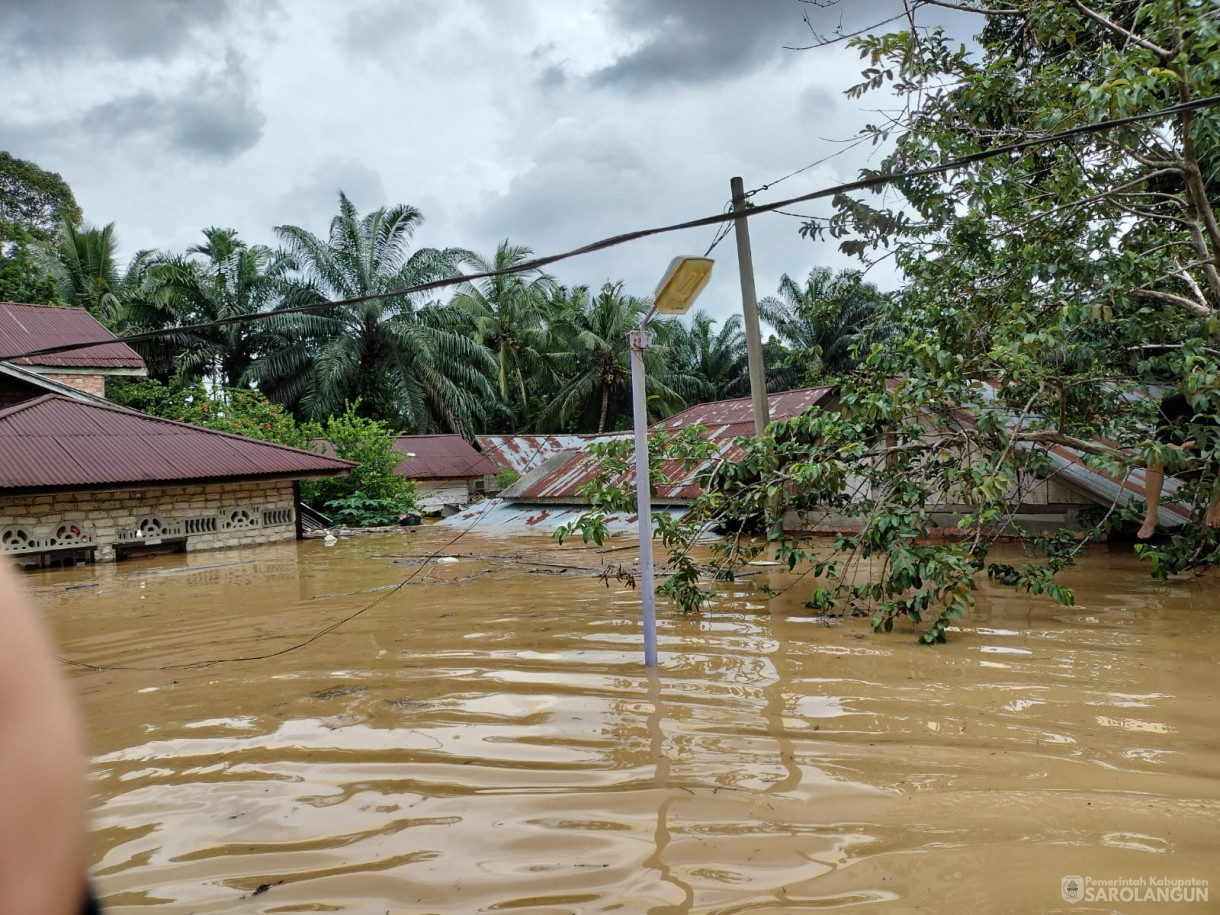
<point>595,392</point>
<point>405,359</point>
<point>221,278</point>
<point>374,492</point>
<point>34,203</point>
<point>87,269</point>
<point>714,360</point>
<point>826,323</point>
<point>24,273</point>
<point>1042,288</point>
<point>510,317</point>
<point>83,262</point>
<point>1070,266</point>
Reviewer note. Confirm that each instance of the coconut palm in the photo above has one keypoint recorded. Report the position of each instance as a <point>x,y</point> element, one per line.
<point>594,394</point>
<point>221,278</point>
<point>825,321</point>
<point>146,304</point>
<point>510,318</point>
<point>715,360</point>
<point>408,361</point>
<point>83,262</point>
<point>85,267</point>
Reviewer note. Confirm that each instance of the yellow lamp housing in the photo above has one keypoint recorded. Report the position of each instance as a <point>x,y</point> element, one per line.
<point>684,279</point>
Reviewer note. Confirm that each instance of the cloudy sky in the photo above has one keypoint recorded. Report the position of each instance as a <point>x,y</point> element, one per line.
<point>549,122</point>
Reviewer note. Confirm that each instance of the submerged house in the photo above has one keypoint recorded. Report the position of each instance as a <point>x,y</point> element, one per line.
<point>558,479</point>
<point>549,493</point>
<point>524,453</point>
<point>83,481</point>
<point>447,469</point>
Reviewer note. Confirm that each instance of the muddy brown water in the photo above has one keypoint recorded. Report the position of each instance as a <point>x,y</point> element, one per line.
<point>486,739</point>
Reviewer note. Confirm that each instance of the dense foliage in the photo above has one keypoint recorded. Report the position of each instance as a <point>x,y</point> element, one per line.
<point>516,352</point>
<point>1046,290</point>
<point>373,493</point>
<point>34,203</point>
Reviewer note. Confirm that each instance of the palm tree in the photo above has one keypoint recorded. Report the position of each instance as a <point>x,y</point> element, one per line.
<point>715,360</point>
<point>146,304</point>
<point>510,317</point>
<point>221,278</point>
<point>410,362</point>
<point>594,394</point>
<point>826,322</point>
<point>84,263</point>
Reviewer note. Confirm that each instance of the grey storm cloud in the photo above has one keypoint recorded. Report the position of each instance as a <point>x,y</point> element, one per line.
<point>688,41</point>
<point>552,77</point>
<point>213,116</point>
<point>381,27</point>
<point>127,29</point>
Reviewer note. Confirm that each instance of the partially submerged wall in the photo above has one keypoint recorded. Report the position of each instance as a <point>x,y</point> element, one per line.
<point>96,525</point>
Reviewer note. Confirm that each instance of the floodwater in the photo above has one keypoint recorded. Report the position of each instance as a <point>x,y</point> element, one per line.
<point>486,739</point>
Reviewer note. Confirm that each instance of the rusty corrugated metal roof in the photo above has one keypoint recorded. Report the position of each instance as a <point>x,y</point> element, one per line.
<point>440,457</point>
<point>51,443</point>
<point>740,411</point>
<point>525,452</point>
<point>560,477</point>
<point>31,327</point>
<point>1107,490</point>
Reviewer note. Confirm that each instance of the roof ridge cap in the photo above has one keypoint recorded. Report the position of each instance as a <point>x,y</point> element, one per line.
<point>119,408</point>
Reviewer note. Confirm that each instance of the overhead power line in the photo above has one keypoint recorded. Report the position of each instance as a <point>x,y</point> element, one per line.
<point>873,181</point>
<point>822,161</point>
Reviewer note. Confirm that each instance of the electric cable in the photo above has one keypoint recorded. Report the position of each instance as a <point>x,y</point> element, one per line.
<point>822,161</point>
<point>326,630</point>
<point>868,183</point>
<point>844,36</point>
<point>721,233</point>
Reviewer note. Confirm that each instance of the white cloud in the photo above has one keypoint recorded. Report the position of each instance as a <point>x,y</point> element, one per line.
<point>550,122</point>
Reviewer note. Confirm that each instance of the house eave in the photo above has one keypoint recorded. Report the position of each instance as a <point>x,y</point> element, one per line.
<point>123,486</point>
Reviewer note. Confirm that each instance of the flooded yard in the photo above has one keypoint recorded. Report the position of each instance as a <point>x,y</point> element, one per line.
<point>485,738</point>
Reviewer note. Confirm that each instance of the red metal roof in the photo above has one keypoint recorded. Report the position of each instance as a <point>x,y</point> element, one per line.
<point>525,452</point>
<point>52,442</point>
<point>559,478</point>
<point>24,328</point>
<point>440,457</point>
<point>784,405</point>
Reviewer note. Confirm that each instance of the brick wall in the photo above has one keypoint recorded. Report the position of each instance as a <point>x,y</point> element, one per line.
<point>210,517</point>
<point>90,384</point>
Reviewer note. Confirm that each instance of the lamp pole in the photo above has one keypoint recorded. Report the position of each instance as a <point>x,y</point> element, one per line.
<point>637,341</point>
<point>684,279</point>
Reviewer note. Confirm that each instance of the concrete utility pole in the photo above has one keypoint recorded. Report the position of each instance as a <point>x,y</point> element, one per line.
<point>749,306</point>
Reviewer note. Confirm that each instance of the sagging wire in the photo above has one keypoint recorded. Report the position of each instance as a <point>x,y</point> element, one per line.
<point>326,630</point>
<point>721,233</point>
<point>868,183</point>
<point>844,36</point>
<point>822,161</point>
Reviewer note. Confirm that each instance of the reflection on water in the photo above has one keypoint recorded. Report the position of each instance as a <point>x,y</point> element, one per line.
<point>486,739</point>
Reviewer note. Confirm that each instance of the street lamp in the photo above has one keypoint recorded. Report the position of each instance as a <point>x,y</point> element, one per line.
<point>684,279</point>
